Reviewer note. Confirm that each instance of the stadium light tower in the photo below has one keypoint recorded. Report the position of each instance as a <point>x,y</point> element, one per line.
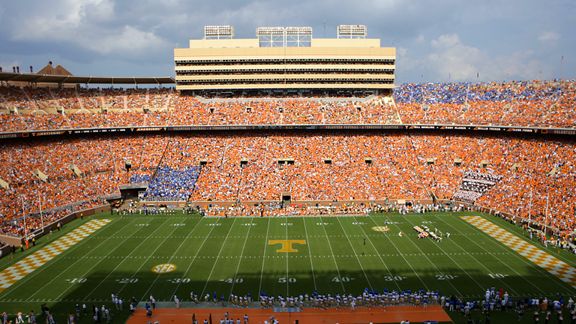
<point>270,36</point>
<point>352,31</point>
<point>284,36</point>
<point>218,32</point>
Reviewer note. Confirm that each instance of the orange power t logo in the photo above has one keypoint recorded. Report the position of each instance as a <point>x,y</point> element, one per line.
<point>287,245</point>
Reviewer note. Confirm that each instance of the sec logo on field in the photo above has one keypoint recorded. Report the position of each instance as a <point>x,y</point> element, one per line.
<point>380,228</point>
<point>164,268</point>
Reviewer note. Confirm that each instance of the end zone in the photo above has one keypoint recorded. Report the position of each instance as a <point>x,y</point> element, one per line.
<point>553,265</point>
<point>19,270</point>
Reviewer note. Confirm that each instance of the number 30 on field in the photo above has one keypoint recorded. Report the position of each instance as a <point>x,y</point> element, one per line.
<point>342,279</point>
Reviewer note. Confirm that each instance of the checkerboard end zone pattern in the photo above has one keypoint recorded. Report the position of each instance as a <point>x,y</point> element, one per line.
<point>19,270</point>
<point>539,257</point>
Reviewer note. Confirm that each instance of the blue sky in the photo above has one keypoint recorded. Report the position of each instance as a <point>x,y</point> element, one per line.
<point>436,40</point>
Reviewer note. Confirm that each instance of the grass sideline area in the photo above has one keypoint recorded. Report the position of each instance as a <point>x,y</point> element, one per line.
<point>240,255</point>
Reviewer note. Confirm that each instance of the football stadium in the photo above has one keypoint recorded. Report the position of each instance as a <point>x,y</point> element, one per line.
<point>285,179</point>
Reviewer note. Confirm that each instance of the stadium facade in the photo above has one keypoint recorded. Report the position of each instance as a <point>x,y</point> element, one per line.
<point>285,59</point>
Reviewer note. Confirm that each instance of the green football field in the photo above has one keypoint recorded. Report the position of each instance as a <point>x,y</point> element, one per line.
<point>138,256</point>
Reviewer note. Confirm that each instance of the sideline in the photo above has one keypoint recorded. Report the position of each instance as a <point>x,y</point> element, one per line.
<point>384,314</point>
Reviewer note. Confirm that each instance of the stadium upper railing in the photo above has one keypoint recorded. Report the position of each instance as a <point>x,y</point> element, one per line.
<point>282,127</point>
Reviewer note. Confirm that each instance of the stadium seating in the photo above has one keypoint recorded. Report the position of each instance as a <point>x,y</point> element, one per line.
<point>537,176</point>
<point>534,103</point>
<point>169,184</point>
<point>102,162</point>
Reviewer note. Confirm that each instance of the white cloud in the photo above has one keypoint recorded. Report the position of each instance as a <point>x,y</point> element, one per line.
<point>449,56</point>
<point>60,20</point>
<point>384,4</point>
<point>108,34</point>
<point>128,39</point>
<point>402,51</point>
<point>548,37</point>
<point>86,24</point>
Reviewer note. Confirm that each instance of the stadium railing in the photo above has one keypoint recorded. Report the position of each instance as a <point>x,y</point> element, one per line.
<point>192,128</point>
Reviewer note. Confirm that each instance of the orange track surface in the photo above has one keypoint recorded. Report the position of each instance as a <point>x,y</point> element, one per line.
<point>391,314</point>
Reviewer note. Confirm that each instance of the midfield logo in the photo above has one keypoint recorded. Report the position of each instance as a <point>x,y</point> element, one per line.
<point>287,245</point>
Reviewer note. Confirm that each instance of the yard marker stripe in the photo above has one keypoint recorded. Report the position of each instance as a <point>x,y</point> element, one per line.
<point>553,265</point>
<point>310,254</point>
<point>174,255</point>
<point>137,248</point>
<point>196,255</point>
<point>72,266</point>
<point>355,254</point>
<point>378,254</point>
<point>19,270</point>
<point>286,254</point>
<point>451,259</point>
<point>217,257</point>
<point>494,255</point>
<point>263,259</point>
<point>371,218</point>
<point>332,253</point>
<point>241,257</point>
<point>409,238</point>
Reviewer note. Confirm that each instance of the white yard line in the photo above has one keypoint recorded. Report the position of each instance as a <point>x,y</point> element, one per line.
<point>379,256</point>
<point>333,257</point>
<point>196,256</point>
<point>218,257</point>
<point>263,259</point>
<point>354,250</point>
<point>241,256</point>
<point>438,244</point>
<point>259,236</point>
<point>517,256</point>
<point>430,261</point>
<point>123,260</point>
<point>536,243</point>
<point>287,271</point>
<point>310,255</point>
<point>171,258</point>
<point>484,266</point>
<point>320,256</point>
<point>35,273</point>
<point>402,255</point>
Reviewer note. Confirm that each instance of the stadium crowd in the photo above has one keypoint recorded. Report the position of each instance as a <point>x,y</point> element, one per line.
<point>474,185</point>
<point>348,168</point>
<point>531,103</point>
<point>101,166</point>
<point>169,184</point>
<point>494,300</point>
<point>41,109</point>
<point>539,308</point>
<point>536,176</point>
<point>518,103</point>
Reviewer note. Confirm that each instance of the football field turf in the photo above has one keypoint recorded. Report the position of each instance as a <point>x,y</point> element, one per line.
<point>166,255</point>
